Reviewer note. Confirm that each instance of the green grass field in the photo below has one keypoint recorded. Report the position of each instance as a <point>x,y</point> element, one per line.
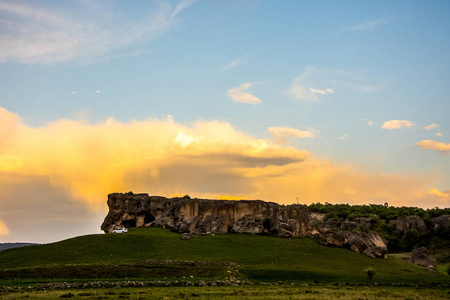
<point>247,292</point>
<point>159,254</point>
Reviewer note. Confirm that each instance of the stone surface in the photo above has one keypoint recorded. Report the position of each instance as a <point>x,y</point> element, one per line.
<point>358,242</point>
<point>410,223</point>
<point>420,257</point>
<point>198,216</point>
<point>441,223</point>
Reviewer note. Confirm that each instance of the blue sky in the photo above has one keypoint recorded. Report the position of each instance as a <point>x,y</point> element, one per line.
<point>350,85</point>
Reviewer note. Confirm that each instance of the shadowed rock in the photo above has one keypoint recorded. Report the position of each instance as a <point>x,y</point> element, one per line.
<point>200,216</point>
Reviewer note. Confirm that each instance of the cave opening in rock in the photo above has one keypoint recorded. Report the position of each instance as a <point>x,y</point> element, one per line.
<point>149,218</point>
<point>129,223</point>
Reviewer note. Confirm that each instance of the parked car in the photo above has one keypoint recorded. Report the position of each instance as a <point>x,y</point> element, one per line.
<point>120,230</point>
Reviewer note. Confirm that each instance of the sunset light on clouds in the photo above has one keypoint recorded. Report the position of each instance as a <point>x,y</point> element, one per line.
<point>110,96</point>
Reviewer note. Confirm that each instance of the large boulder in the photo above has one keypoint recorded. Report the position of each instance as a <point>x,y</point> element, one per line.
<point>410,223</point>
<point>420,257</point>
<point>371,244</point>
<point>441,223</point>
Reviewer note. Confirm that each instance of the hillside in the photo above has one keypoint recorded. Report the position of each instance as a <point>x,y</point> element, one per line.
<point>156,253</point>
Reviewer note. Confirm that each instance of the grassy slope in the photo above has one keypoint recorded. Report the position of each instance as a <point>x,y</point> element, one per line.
<point>259,257</point>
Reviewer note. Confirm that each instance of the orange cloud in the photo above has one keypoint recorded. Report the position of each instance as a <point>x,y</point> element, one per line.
<point>205,159</point>
<point>282,134</point>
<point>242,94</point>
<point>4,231</point>
<point>433,145</point>
<point>397,124</point>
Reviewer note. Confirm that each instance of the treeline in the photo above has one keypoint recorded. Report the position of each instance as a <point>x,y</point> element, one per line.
<point>377,218</point>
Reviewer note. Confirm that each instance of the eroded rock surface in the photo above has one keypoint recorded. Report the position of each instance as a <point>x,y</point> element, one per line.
<point>420,257</point>
<point>198,216</point>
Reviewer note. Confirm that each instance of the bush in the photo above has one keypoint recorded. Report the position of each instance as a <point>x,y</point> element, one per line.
<point>370,273</point>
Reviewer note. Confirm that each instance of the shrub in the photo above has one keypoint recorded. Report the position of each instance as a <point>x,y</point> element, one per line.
<point>370,273</point>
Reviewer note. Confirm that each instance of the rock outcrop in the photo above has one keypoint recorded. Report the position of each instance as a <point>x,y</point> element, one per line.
<point>200,216</point>
<point>371,244</point>
<point>420,257</point>
<point>410,223</point>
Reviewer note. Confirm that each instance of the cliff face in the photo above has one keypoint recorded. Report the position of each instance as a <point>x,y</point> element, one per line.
<point>198,216</point>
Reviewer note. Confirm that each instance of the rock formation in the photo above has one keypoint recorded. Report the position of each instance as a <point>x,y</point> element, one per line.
<point>410,223</point>
<point>420,257</point>
<point>200,216</point>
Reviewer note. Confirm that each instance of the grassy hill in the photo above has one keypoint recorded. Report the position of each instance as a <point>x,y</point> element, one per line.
<point>156,253</point>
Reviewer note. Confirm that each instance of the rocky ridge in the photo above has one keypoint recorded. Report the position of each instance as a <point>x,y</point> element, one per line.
<point>201,216</point>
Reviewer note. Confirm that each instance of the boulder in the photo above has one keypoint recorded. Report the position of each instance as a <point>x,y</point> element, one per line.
<point>441,223</point>
<point>410,223</point>
<point>357,241</point>
<point>420,257</point>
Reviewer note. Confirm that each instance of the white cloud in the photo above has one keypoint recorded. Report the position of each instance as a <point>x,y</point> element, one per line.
<point>369,121</point>
<point>236,63</point>
<point>364,26</point>
<point>342,137</point>
<point>282,134</point>
<point>304,87</point>
<point>439,134</point>
<point>431,126</point>
<point>242,94</point>
<point>34,34</point>
<point>74,93</point>
<point>316,83</point>
<point>98,91</point>
<point>397,124</point>
<point>434,145</point>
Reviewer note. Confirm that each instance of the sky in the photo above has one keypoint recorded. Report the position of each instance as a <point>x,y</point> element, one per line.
<point>324,101</point>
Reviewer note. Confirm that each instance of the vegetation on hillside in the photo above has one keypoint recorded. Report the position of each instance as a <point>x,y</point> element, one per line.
<point>159,254</point>
<point>380,215</point>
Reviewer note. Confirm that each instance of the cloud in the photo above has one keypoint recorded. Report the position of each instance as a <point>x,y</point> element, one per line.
<point>438,193</point>
<point>442,198</point>
<point>241,95</point>
<point>364,26</point>
<point>369,121</point>
<point>46,34</point>
<point>236,63</point>
<point>282,134</point>
<point>342,137</point>
<point>316,83</point>
<point>397,124</point>
<point>74,93</point>
<point>431,126</point>
<point>439,134</point>
<point>433,145</point>
<point>98,91</point>
<point>4,230</point>
<point>71,166</point>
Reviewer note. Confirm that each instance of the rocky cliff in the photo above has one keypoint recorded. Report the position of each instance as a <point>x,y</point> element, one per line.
<point>201,216</point>
<point>198,216</point>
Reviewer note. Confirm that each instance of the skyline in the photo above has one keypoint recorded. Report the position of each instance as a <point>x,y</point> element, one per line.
<point>328,102</point>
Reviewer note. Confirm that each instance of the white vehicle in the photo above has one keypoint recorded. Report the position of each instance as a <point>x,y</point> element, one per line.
<point>120,230</point>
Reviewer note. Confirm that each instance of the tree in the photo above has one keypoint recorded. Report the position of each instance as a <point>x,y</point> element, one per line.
<point>448,269</point>
<point>370,273</point>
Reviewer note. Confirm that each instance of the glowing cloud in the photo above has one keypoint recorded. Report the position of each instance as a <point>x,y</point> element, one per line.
<point>438,193</point>
<point>282,134</point>
<point>242,95</point>
<point>205,159</point>
<point>439,134</point>
<point>433,145</point>
<point>397,124</point>
<point>3,229</point>
<point>431,126</point>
